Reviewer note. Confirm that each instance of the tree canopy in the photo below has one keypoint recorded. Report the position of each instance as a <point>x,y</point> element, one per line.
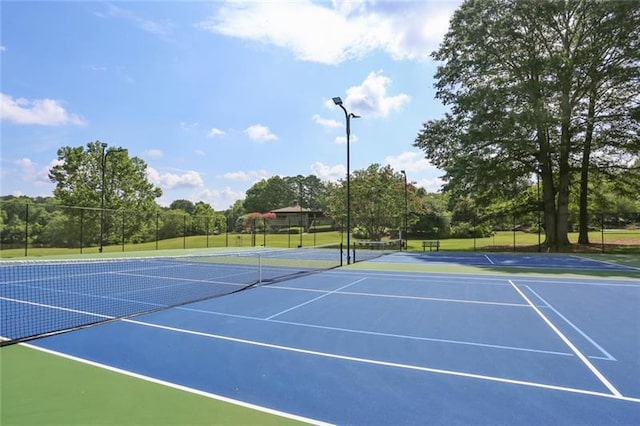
<point>547,88</point>
<point>377,196</point>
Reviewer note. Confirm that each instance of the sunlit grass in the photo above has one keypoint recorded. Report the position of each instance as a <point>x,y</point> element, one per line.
<point>618,241</point>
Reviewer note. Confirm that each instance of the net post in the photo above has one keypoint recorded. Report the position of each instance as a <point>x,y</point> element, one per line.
<point>259,268</point>
<point>341,253</point>
<point>354,252</point>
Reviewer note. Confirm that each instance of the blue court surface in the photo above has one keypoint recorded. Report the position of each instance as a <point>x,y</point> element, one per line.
<point>555,261</point>
<point>362,346</point>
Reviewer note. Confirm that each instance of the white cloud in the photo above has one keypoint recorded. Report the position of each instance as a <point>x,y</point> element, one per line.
<point>252,175</point>
<point>328,173</point>
<point>219,199</point>
<point>189,178</point>
<point>370,98</point>
<point>153,153</point>
<point>199,152</point>
<point>414,162</point>
<point>189,127</point>
<point>160,29</point>
<point>326,122</point>
<point>31,172</point>
<point>3,48</point>
<point>45,112</point>
<point>409,161</point>
<point>430,184</point>
<point>213,132</point>
<point>260,133</point>
<point>334,33</point>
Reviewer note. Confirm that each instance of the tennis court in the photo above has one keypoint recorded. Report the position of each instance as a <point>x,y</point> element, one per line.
<point>380,342</point>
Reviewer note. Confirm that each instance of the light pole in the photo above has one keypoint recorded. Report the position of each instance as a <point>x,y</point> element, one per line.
<point>406,207</point>
<point>348,116</point>
<point>103,166</point>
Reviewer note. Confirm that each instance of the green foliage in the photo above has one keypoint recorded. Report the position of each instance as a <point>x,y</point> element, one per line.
<point>377,201</point>
<point>276,192</point>
<point>536,88</point>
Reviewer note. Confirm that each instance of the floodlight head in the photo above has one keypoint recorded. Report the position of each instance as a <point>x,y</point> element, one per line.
<point>337,101</point>
<point>103,144</point>
<point>403,172</point>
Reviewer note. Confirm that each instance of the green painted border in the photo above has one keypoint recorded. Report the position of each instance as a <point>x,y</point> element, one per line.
<point>39,388</point>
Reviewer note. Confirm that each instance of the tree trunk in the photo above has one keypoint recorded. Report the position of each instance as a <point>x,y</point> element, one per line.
<point>583,237</point>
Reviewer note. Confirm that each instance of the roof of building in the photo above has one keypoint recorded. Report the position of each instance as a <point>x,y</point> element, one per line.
<point>295,208</point>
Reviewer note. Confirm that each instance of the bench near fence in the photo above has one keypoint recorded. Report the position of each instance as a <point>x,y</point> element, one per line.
<point>432,245</point>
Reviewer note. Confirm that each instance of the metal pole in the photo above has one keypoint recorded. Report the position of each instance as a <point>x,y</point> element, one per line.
<point>26,230</point>
<point>348,188</point>
<point>300,212</point>
<point>103,165</point>
<point>348,116</point>
<point>406,208</point>
<point>538,209</point>
<point>123,222</point>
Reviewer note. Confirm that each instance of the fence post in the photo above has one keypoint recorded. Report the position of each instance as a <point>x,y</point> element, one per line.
<point>602,231</point>
<point>123,219</point>
<point>157,220</point>
<point>26,230</point>
<point>226,238</point>
<point>184,232</point>
<point>514,232</point>
<point>81,229</point>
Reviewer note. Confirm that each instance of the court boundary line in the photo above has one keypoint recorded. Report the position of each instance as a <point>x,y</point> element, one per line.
<point>389,364</point>
<point>572,325</point>
<point>180,387</point>
<point>568,342</point>
<point>578,280</point>
<point>606,262</point>
<point>378,333</point>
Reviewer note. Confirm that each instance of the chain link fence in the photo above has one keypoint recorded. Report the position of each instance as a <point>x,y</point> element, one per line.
<point>28,226</point>
<point>64,229</point>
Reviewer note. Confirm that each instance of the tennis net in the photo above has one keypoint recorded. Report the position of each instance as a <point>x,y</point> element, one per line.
<point>44,297</point>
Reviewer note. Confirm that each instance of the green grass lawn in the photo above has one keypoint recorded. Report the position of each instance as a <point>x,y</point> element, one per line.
<point>621,241</point>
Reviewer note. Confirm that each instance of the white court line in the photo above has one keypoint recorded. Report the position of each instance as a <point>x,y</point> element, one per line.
<point>377,333</point>
<point>603,261</point>
<point>565,319</point>
<point>182,388</point>
<point>489,259</point>
<point>59,308</point>
<point>315,298</point>
<point>617,396</point>
<point>568,342</point>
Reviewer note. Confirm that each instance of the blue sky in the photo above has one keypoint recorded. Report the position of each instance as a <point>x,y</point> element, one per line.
<point>215,96</point>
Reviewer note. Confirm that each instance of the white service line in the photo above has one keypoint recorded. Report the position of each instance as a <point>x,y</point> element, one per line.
<point>582,333</point>
<point>568,342</point>
<point>316,298</point>
<point>389,364</point>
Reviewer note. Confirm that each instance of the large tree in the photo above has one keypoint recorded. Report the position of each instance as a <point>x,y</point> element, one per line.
<point>277,192</point>
<point>377,197</point>
<point>535,87</point>
<point>103,176</point>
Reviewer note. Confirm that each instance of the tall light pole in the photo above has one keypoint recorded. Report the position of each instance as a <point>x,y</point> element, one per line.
<point>348,116</point>
<point>406,206</point>
<point>103,166</point>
